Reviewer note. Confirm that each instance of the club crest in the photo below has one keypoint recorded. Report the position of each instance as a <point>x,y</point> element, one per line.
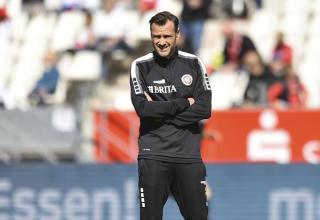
<point>186,79</point>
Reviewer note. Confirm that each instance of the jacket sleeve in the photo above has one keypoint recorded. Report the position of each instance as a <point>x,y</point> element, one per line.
<point>201,109</point>
<point>152,109</point>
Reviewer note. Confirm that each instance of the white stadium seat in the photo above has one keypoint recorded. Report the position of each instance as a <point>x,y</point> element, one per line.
<point>85,65</point>
<point>294,7</point>
<point>53,4</point>
<point>309,73</point>
<point>229,88</point>
<point>6,64</point>
<point>314,25</point>
<point>275,6</point>
<point>263,28</point>
<point>315,7</point>
<point>19,25</point>
<point>312,48</point>
<point>24,77</point>
<point>65,32</point>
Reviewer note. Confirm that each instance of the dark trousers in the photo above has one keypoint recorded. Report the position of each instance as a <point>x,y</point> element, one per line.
<point>185,181</point>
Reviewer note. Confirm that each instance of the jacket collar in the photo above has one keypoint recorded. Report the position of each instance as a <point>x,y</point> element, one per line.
<point>163,60</point>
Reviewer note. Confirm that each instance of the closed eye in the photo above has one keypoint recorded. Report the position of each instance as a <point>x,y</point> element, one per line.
<point>162,36</point>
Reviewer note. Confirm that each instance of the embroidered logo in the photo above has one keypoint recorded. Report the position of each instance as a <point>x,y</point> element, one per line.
<point>162,81</point>
<point>186,79</point>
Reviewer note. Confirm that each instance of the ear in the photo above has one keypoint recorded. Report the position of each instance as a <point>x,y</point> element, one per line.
<point>178,34</point>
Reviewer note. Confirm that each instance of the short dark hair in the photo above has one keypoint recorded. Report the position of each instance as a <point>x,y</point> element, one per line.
<point>161,18</point>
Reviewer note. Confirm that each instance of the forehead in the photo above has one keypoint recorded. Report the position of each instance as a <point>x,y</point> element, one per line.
<point>168,27</point>
<point>251,57</point>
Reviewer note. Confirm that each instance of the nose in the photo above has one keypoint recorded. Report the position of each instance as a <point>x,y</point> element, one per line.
<point>161,42</point>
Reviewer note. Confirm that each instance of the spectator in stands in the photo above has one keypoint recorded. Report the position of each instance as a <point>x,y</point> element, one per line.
<point>236,45</point>
<point>193,16</point>
<point>86,39</point>
<point>282,51</point>
<point>278,69</point>
<point>240,9</point>
<point>47,84</point>
<point>67,5</point>
<point>3,14</point>
<point>287,93</point>
<point>260,78</point>
<point>281,58</point>
<point>147,5</point>
<point>71,4</point>
<point>259,3</point>
<point>111,28</point>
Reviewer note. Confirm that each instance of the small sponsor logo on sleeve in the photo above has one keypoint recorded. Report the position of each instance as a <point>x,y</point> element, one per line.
<point>162,81</point>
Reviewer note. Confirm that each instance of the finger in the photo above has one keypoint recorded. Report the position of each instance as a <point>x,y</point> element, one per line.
<point>147,96</point>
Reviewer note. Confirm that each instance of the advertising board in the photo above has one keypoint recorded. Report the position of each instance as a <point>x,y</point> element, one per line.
<point>109,192</point>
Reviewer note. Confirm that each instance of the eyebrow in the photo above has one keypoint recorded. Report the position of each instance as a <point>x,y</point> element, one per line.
<point>164,35</point>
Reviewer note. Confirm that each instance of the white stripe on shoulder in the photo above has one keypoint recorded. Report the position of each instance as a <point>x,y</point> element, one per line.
<point>146,57</point>
<point>135,72</point>
<point>187,55</point>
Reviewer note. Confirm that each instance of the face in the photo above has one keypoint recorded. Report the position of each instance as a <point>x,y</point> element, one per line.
<point>109,5</point>
<point>164,39</point>
<point>253,63</point>
<point>228,28</point>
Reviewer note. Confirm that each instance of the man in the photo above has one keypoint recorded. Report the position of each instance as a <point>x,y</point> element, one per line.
<point>170,92</point>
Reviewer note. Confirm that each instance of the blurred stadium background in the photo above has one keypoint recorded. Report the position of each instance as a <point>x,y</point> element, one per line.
<point>68,132</point>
